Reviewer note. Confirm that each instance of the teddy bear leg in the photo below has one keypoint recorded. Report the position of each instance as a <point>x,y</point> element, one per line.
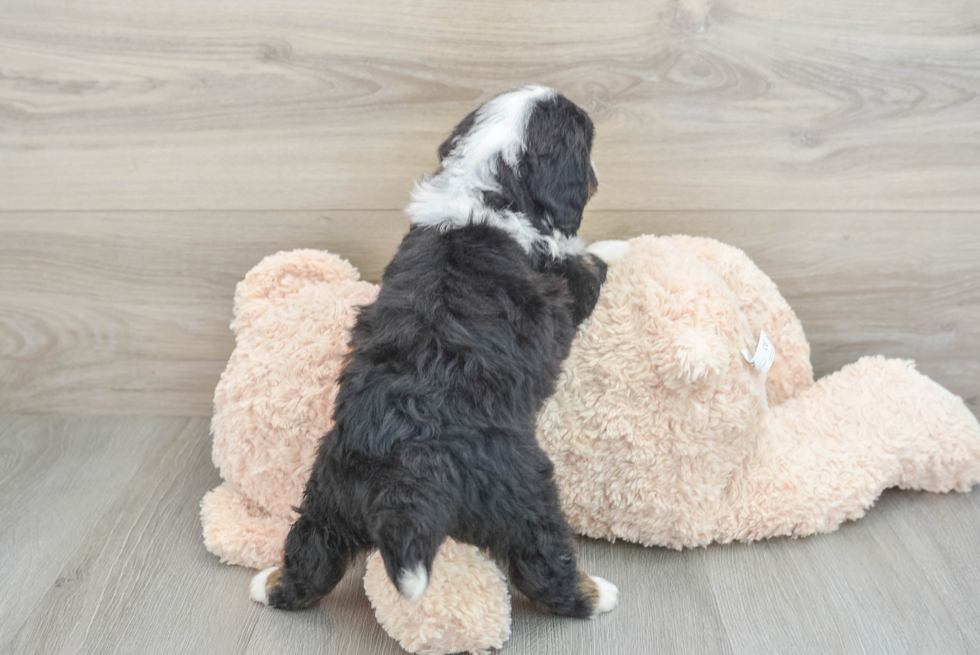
<point>240,533</point>
<point>317,556</point>
<point>466,607</point>
<point>828,453</point>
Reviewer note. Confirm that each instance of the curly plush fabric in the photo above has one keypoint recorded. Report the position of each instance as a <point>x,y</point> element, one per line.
<point>275,398</point>
<point>465,608</point>
<point>661,432</point>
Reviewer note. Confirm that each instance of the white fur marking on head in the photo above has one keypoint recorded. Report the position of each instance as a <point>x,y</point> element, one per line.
<point>257,587</point>
<point>453,197</point>
<point>412,584</point>
<point>608,596</point>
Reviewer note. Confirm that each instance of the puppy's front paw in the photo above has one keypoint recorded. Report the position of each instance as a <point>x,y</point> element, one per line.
<point>609,251</point>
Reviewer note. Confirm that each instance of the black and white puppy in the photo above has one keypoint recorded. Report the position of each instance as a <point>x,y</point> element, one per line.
<point>449,367</point>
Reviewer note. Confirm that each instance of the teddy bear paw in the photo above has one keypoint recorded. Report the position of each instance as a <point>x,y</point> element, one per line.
<point>610,252</point>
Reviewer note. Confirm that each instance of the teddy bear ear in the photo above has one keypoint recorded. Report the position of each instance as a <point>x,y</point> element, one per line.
<point>283,274</point>
<point>692,356</point>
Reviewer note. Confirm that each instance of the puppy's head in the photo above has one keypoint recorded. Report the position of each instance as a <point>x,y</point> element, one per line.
<point>520,162</point>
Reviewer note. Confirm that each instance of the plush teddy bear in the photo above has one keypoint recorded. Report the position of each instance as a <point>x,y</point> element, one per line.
<point>675,422</point>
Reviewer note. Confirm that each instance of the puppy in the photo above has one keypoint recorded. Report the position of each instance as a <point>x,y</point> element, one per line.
<point>434,423</point>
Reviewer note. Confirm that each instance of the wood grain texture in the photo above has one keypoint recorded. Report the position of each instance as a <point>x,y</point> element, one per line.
<point>135,307</point>
<point>700,104</point>
<point>128,312</point>
<point>127,573</point>
<point>150,154</point>
<point>101,553</point>
<point>52,487</point>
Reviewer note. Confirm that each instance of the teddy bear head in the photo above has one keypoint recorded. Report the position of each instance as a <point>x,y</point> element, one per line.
<point>657,409</point>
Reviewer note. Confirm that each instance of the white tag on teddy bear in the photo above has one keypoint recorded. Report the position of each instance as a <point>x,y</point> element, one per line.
<point>764,356</point>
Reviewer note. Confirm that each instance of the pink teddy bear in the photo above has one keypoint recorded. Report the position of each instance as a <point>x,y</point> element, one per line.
<point>664,429</point>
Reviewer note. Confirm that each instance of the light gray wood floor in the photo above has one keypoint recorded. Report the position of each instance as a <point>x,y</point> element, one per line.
<point>100,552</point>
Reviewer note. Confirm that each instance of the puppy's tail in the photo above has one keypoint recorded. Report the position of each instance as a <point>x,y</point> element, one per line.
<point>408,537</point>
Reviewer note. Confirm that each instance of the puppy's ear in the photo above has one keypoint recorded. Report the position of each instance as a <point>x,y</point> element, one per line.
<point>461,130</point>
<point>558,156</point>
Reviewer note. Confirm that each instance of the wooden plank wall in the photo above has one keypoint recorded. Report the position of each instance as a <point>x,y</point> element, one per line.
<point>151,153</point>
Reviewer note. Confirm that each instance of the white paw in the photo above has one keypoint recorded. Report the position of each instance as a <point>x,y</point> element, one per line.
<point>608,596</point>
<point>609,251</point>
<point>257,589</point>
<point>412,583</point>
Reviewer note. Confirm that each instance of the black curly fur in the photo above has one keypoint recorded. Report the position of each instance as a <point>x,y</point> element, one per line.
<point>448,369</point>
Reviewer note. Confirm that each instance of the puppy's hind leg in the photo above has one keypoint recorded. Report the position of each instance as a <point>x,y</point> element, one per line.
<point>542,562</point>
<point>317,554</point>
<point>544,570</point>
